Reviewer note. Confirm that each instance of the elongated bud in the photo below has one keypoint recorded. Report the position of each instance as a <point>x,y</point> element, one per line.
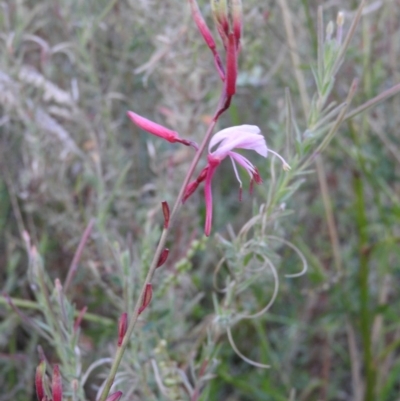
<point>201,25</point>
<point>158,130</point>
<point>340,18</point>
<point>148,293</point>
<point>56,385</point>
<point>39,377</point>
<point>115,396</point>
<point>78,320</point>
<point>231,66</point>
<point>237,19</point>
<point>122,325</point>
<point>221,17</point>
<point>329,31</point>
<point>207,36</point>
<point>339,30</point>
<point>165,209</point>
<point>192,186</point>
<point>163,257</point>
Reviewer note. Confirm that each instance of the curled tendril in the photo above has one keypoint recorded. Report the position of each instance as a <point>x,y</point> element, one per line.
<point>267,264</point>
<point>298,252</point>
<point>215,274</point>
<point>249,361</point>
<point>236,286</point>
<point>274,294</point>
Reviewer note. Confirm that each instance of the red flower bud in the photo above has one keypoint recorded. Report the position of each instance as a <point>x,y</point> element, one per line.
<point>148,293</point>
<point>237,18</point>
<point>165,209</point>
<point>231,66</point>
<point>122,325</point>
<point>39,377</point>
<point>221,17</point>
<point>207,36</point>
<point>192,186</point>
<point>201,25</point>
<point>163,257</point>
<point>115,396</point>
<point>158,130</point>
<point>56,385</point>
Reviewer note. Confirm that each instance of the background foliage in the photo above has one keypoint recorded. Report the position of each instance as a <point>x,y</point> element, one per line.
<point>69,158</point>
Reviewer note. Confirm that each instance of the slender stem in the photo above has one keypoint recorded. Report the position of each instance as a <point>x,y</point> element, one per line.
<point>394,90</point>
<point>23,303</point>
<point>161,245</point>
<point>330,218</point>
<point>294,53</point>
<point>365,313</point>
<point>74,264</point>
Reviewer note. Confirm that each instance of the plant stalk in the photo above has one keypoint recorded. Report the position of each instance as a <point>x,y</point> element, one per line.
<point>161,245</point>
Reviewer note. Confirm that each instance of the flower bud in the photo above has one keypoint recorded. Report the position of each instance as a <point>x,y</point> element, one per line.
<point>115,396</point>
<point>122,325</point>
<point>148,293</point>
<point>158,130</point>
<point>165,209</point>
<point>231,66</point>
<point>201,25</point>
<point>56,385</point>
<point>39,377</point>
<point>163,257</point>
<point>221,17</point>
<point>192,186</point>
<point>237,19</point>
<point>339,30</point>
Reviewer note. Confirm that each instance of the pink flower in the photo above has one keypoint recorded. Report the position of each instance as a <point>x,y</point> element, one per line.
<point>239,137</point>
<point>158,130</point>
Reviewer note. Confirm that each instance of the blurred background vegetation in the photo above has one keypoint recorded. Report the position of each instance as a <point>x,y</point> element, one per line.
<point>69,71</point>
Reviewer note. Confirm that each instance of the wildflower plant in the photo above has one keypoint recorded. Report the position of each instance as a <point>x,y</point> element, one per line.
<point>249,257</point>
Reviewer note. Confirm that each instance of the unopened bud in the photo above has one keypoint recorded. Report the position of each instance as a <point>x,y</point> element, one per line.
<point>39,378</point>
<point>339,23</point>
<point>329,31</point>
<point>231,66</point>
<point>158,130</point>
<point>163,257</point>
<point>237,19</point>
<point>192,186</point>
<point>115,396</point>
<point>201,25</point>
<point>340,18</point>
<point>165,209</point>
<point>122,325</point>
<point>56,385</point>
<point>148,293</point>
<point>221,17</point>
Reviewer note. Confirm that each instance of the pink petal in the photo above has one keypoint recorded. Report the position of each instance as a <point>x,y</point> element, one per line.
<point>242,136</point>
<point>230,132</point>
